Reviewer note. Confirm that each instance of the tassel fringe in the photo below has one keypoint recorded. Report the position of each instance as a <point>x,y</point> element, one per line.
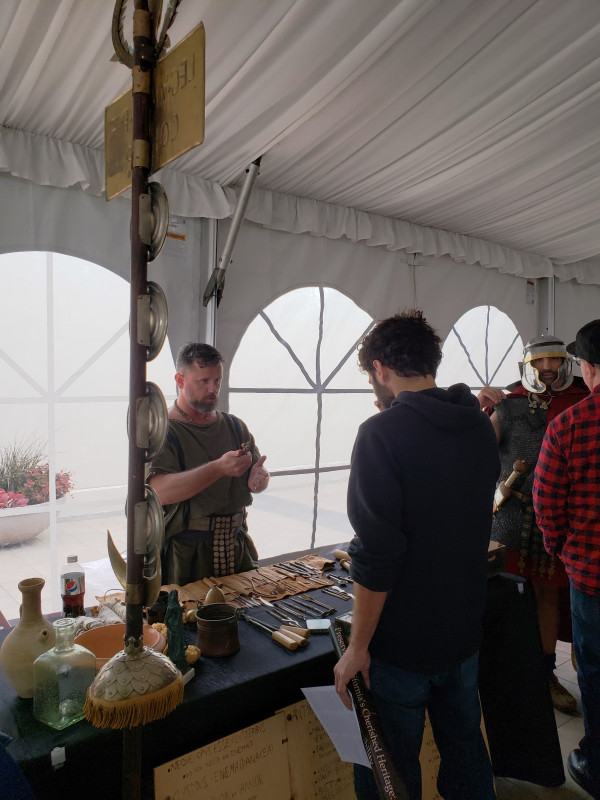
<point>133,711</point>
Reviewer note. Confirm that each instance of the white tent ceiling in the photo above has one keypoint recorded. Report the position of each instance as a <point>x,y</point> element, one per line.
<point>476,117</point>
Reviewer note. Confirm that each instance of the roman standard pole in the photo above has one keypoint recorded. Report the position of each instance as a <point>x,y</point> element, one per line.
<point>143,65</point>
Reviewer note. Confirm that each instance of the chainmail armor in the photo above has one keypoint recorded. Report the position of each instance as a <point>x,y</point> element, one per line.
<point>522,430</point>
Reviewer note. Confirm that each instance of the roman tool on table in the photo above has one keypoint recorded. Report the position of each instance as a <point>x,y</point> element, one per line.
<point>344,559</point>
<point>335,591</point>
<point>277,635</point>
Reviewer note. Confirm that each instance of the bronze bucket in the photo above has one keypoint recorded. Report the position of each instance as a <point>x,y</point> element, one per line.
<point>217,625</point>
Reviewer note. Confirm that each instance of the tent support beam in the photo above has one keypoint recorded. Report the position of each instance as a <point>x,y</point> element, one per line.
<point>546,307</point>
<point>216,283</point>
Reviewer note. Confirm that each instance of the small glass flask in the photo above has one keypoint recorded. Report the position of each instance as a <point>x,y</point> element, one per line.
<point>61,677</point>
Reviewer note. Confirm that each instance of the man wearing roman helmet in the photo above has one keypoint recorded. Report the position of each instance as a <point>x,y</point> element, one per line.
<point>520,419</point>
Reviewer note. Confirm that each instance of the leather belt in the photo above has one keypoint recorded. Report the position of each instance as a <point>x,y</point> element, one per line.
<point>208,523</point>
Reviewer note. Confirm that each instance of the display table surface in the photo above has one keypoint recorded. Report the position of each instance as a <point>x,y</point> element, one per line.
<point>230,693</point>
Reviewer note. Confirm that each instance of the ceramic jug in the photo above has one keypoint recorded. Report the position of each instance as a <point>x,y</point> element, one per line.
<point>28,640</point>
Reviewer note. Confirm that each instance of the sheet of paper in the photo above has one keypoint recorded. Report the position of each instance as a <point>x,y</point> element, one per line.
<point>340,723</point>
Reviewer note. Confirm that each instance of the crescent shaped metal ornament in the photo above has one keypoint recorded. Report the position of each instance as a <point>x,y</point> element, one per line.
<point>151,586</point>
<point>117,561</point>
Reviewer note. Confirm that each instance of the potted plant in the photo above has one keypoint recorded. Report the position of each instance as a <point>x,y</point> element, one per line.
<point>25,490</point>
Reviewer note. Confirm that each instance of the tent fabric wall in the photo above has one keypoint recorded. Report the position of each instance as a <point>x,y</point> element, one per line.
<point>574,306</point>
<point>65,166</point>
<point>267,264</point>
<point>75,223</point>
<point>300,215</point>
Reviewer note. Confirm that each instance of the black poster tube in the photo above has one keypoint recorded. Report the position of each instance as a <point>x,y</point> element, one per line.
<point>389,784</point>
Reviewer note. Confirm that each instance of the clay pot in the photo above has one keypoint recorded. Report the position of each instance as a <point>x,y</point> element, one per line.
<point>31,637</point>
<point>108,640</point>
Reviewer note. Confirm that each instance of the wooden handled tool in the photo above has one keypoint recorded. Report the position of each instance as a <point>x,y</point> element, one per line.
<point>341,555</point>
<point>304,633</point>
<point>295,634</point>
<point>281,638</point>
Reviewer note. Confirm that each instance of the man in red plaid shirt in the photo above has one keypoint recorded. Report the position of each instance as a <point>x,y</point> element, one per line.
<point>566,497</point>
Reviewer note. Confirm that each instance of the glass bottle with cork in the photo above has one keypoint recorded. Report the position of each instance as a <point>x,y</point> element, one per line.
<point>61,677</point>
<point>72,588</point>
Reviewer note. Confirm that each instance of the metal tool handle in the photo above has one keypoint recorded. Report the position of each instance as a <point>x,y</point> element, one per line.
<point>282,617</point>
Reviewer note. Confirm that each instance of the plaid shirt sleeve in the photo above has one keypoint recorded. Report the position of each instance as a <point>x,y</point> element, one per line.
<point>566,491</point>
<point>551,492</point>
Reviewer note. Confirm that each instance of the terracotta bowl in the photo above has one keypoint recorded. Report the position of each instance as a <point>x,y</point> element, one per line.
<point>106,641</point>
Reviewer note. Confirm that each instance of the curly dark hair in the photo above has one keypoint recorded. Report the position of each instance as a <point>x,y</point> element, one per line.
<point>405,343</point>
<point>204,354</point>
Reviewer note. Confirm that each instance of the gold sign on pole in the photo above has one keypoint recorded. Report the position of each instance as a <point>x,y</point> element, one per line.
<point>117,145</point>
<point>178,121</point>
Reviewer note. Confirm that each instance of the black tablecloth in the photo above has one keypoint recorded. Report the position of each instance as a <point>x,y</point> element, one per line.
<point>233,692</point>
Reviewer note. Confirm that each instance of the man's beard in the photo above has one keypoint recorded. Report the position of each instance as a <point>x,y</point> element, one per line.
<point>552,375</point>
<point>382,393</point>
<point>203,406</point>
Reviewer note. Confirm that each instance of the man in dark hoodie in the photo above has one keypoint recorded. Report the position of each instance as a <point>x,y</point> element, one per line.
<point>420,501</point>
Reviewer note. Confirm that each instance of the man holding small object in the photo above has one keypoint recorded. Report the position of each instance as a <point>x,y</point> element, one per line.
<point>419,561</point>
<point>205,476</point>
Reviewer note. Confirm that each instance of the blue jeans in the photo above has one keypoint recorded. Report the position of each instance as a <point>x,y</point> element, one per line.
<point>452,700</point>
<point>585,613</point>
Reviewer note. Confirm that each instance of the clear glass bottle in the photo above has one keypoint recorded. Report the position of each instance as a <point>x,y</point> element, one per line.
<point>61,677</point>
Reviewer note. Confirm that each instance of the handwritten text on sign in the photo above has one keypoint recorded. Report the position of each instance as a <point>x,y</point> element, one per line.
<point>251,764</point>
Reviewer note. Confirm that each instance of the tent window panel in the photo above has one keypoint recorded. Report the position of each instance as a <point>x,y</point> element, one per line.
<point>23,319</point>
<point>349,376</point>
<point>161,371</point>
<point>284,427</point>
<point>342,414</point>
<point>93,302</point>
<point>316,330</point>
<point>103,372</point>
<point>483,346</point>
<point>341,314</point>
<point>16,382</point>
<point>295,316</point>
<point>103,458</point>
<point>259,345</point>
<point>81,309</point>
<point>333,525</point>
<point>280,519</point>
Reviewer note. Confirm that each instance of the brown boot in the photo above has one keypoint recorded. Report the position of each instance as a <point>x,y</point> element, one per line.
<point>562,699</point>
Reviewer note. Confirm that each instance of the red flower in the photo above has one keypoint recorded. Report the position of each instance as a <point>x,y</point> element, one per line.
<point>37,486</point>
<point>12,499</point>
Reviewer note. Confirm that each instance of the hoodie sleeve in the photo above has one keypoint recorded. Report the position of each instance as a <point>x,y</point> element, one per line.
<point>375,512</point>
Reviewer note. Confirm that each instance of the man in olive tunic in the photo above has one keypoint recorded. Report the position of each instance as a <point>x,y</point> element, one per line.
<point>205,476</point>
